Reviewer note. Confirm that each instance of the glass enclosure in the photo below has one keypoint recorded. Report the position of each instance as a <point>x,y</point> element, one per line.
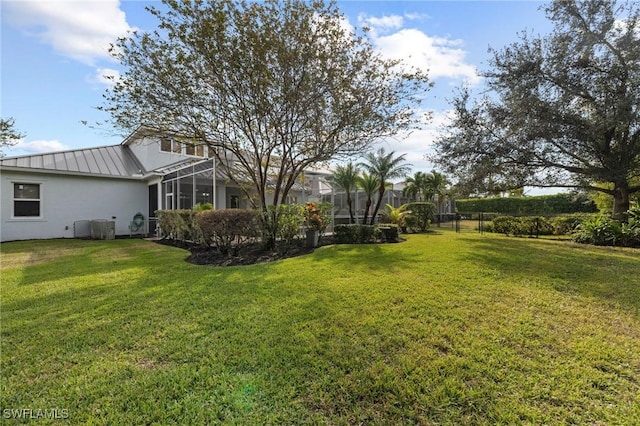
<point>188,186</point>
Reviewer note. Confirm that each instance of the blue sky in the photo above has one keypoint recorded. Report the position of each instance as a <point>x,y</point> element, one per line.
<point>54,57</point>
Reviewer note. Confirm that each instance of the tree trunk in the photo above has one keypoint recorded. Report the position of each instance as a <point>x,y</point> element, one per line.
<point>270,227</point>
<point>378,203</point>
<point>349,202</point>
<point>366,211</point>
<point>620,200</point>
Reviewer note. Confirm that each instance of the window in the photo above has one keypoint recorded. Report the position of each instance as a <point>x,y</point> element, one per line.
<point>195,150</point>
<point>165,145</point>
<point>170,145</point>
<point>26,200</point>
<point>234,202</point>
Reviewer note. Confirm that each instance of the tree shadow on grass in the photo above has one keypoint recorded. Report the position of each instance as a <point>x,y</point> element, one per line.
<point>608,274</point>
<point>366,257</point>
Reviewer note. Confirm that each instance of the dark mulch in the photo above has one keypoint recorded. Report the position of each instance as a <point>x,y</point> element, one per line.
<point>247,255</point>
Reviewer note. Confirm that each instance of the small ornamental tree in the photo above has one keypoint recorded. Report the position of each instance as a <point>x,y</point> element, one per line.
<point>421,215</point>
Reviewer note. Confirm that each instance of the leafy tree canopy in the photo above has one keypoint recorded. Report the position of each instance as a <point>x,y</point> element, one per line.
<point>561,110</point>
<point>9,135</point>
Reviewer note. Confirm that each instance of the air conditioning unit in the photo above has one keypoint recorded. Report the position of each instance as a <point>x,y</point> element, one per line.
<point>82,229</point>
<point>103,229</point>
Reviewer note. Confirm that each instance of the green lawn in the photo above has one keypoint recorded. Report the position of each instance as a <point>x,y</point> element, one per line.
<point>442,329</point>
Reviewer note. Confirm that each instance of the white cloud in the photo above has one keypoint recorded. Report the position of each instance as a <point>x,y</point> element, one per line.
<point>440,56</point>
<point>104,76</point>
<point>380,25</point>
<point>418,143</point>
<point>39,146</point>
<point>80,30</point>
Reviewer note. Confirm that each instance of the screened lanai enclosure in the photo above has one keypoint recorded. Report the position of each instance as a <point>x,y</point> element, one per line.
<point>203,182</point>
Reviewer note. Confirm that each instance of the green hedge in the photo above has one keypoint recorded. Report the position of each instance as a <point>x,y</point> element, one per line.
<point>536,225</point>
<point>228,229</point>
<point>523,225</point>
<point>364,234</point>
<point>179,225</point>
<point>540,205</point>
<point>353,234</point>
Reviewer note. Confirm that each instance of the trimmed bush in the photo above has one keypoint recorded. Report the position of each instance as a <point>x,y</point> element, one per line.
<point>364,234</point>
<point>389,232</point>
<point>540,205</point>
<point>568,224</point>
<point>521,225</point>
<point>420,217</point>
<point>228,229</point>
<point>178,225</point>
<point>353,234</point>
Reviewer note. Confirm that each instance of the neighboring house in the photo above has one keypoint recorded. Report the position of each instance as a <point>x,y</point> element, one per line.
<point>55,195</point>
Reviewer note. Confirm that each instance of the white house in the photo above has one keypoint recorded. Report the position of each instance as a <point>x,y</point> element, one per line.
<point>56,195</point>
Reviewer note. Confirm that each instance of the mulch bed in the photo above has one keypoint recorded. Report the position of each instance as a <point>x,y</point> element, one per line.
<point>247,255</point>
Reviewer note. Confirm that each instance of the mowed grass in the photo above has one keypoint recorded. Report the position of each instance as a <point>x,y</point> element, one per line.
<point>444,328</point>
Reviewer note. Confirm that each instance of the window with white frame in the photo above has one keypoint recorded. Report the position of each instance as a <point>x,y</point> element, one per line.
<point>170,145</point>
<point>195,150</point>
<point>165,145</point>
<point>26,200</point>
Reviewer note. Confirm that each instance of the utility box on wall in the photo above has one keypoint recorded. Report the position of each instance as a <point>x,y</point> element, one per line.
<point>103,229</point>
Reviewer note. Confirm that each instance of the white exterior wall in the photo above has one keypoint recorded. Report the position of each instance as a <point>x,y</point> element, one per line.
<point>65,199</point>
<point>147,151</point>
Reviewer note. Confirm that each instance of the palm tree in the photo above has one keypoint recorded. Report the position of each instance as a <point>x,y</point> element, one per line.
<point>415,188</point>
<point>384,167</point>
<point>345,178</point>
<point>436,184</point>
<point>369,185</point>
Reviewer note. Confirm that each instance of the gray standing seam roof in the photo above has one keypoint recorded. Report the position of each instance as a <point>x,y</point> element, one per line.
<point>112,161</point>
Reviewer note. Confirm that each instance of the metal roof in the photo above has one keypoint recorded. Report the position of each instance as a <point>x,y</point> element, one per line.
<point>110,161</point>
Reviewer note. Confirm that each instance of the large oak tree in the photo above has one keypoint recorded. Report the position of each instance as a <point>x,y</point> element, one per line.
<point>273,87</point>
<point>562,110</point>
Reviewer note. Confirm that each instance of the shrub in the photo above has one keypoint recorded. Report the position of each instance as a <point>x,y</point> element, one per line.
<point>630,234</point>
<point>228,229</point>
<point>202,207</point>
<point>396,215</point>
<point>521,225</point>
<point>389,232</point>
<point>178,225</point>
<point>599,230</point>
<point>488,227</point>
<point>567,224</point>
<point>421,216</point>
<point>631,230</point>
<point>290,217</point>
<point>353,234</point>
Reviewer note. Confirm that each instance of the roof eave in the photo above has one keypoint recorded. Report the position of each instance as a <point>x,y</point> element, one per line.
<point>71,173</point>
